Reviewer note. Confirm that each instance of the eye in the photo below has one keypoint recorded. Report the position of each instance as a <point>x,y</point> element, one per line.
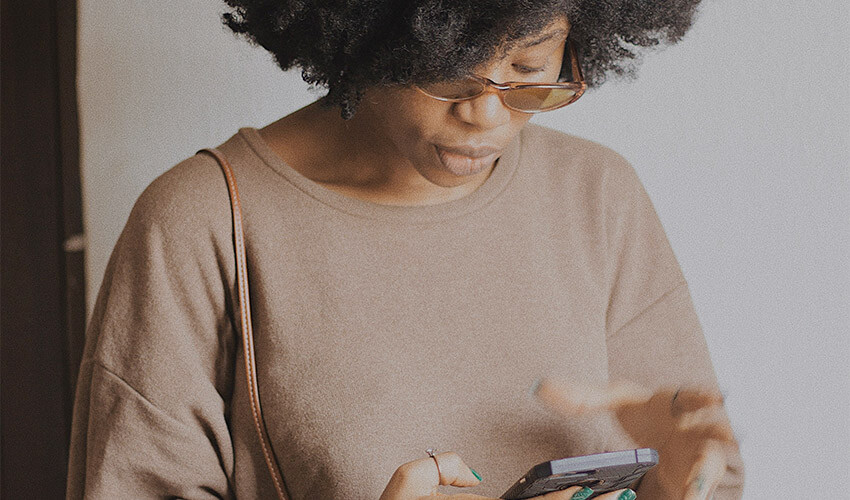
<point>528,69</point>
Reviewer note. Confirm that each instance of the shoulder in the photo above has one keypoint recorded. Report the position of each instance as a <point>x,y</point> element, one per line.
<point>563,160</point>
<point>187,200</point>
<point>556,147</point>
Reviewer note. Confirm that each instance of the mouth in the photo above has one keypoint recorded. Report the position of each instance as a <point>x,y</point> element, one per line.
<point>466,160</point>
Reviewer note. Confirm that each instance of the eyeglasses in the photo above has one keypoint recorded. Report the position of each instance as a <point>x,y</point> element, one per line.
<point>519,96</point>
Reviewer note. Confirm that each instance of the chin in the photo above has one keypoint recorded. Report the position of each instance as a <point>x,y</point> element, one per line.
<point>450,183</point>
<point>444,178</point>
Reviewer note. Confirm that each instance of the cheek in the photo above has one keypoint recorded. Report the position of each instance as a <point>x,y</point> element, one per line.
<point>415,123</point>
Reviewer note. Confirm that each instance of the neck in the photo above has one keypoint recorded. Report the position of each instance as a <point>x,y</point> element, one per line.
<point>353,158</point>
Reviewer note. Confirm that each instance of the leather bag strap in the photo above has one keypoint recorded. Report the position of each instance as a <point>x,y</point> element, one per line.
<point>245,322</point>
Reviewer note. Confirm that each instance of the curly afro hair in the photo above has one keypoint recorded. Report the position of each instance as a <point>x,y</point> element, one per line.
<point>349,46</point>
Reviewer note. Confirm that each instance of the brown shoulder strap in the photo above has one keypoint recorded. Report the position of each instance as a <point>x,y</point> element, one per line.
<point>245,321</point>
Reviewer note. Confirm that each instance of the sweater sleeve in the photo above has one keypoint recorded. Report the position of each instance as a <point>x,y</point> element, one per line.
<point>653,334</point>
<point>152,402</point>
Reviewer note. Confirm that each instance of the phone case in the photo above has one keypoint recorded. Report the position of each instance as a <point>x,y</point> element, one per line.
<point>602,472</point>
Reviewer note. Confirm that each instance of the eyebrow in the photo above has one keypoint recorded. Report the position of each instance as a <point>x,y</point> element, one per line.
<point>544,38</point>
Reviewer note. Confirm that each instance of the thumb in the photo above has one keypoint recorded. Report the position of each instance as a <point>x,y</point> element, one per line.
<point>577,398</point>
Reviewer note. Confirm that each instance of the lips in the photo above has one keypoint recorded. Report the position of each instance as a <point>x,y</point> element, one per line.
<point>469,151</point>
<point>467,160</point>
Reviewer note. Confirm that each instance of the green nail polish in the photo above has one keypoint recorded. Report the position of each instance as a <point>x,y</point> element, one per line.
<point>627,495</point>
<point>533,389</point>
<point>582,494</point>
<point>700,483</point>
<point>475,474</point>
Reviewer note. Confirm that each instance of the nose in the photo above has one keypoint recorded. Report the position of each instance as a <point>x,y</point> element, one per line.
<point>485,111</point>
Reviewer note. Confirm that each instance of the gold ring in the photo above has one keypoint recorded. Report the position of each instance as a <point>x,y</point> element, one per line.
<point>431,452</point>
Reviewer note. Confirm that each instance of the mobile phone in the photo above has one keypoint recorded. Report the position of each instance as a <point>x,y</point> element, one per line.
<point>602,472</point>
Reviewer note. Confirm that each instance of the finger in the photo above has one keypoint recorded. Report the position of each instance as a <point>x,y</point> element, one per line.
<point>571,493</point>
<point>412,480</point>
<point>699,430</point>
<point>625,494</point>
<point>576,398</point>
<point>453,471</point>
<point>707,472</point>
<point>462,496</point>
<point>421,477</point>
<point>693,399</point>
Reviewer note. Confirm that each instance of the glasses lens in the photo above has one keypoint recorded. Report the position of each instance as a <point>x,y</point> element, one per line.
<point>458,89</point>
<point>538,99</point>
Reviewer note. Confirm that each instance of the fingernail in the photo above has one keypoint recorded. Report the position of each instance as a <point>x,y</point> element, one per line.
<point>582,494</point>
<point>533,389</point>
<point>627,495</point>
<point>475,473</point>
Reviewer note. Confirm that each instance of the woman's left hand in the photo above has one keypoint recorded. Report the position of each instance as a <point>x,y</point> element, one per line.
<point>686,426</point>
<point>419,479</point>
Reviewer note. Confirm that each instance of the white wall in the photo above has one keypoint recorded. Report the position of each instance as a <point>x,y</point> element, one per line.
<point>741,135</point>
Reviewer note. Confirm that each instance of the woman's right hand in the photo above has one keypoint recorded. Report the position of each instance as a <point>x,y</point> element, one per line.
<point>418,480</point>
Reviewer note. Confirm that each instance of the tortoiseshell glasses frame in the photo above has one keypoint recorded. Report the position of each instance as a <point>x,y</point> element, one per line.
<point>519,96</point>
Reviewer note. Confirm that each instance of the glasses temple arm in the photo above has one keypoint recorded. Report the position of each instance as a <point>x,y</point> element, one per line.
<point>576,74</point>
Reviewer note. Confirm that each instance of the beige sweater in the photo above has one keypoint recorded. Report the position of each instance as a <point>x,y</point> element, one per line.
<point>380,331</point>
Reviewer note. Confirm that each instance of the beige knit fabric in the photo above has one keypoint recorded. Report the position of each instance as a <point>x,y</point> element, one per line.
<point>380,331</point>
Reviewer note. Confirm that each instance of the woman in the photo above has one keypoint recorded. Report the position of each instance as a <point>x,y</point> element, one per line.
<point>419,257</point>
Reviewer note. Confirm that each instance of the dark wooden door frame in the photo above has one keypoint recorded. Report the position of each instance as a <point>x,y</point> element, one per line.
<point>42,298</point>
